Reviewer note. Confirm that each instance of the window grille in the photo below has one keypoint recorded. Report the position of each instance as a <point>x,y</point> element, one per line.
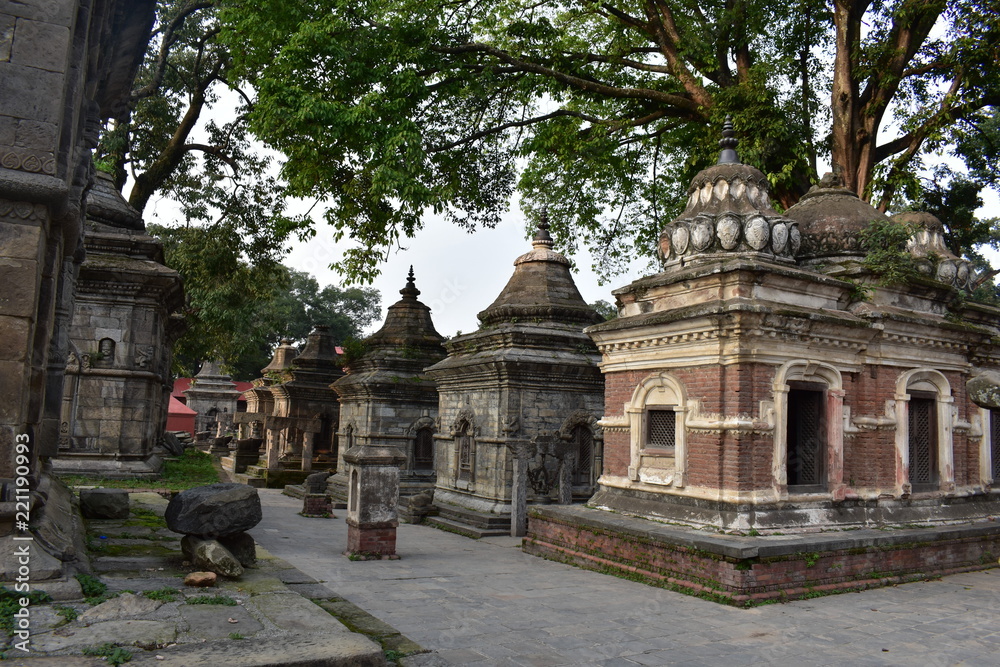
<point>661,428</point>
<point>805,450</point>
<point>583,444</point>
<point>423,450</point>
<point>923,445</point>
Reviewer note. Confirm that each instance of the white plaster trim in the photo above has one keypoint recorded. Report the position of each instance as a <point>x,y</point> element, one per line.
<point>945,423</point>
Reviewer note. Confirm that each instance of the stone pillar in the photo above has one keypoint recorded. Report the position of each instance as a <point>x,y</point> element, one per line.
<point>373,491</point>
<point>308,445</point>
<point>566,479</point>
<point>521,453</point>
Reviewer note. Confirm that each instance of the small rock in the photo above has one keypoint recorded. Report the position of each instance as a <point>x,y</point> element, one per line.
<point>104,503</point>
<point>214,510</point>
<point>200,579</point>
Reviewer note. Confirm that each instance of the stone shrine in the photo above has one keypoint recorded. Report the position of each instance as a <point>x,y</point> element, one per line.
<point>64,67</point>
<point>213,396</point>
<point>302,431</point>
<point>387,401</point>
<point>121,334</point>
<point>526,385</point>
<point>765,382</point>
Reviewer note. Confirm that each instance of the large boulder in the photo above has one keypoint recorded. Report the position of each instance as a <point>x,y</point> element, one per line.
<point>215,510</point>
<point>984,389</point>
<point>104,503</point>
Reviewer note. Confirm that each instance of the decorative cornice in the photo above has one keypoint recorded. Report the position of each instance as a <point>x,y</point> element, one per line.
<point>30,162</point>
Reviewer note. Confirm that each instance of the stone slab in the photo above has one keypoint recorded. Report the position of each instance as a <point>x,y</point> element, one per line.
<point>295,651</point>
<point>126,633</point>
<point>210,621</point>
<point>296,614</point>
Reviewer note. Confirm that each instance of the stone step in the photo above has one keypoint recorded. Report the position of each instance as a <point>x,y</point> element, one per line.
<point>474,519</point>
<point>463,528</point>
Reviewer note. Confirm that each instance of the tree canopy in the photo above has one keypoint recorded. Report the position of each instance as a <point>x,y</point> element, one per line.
<point>602,111</point>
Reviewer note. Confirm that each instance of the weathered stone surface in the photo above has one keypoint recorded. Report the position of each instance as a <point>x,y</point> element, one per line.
<point>316,482</point>
<point>42,564</point>
<point>124,633</point>
<point>172,444</point>
<point>104,503</point>
<point>211,555</point>
<point>242,546</point>
<point>126,605</point>
<point>201,579</point>
<point>296,651</point>
<point>984,390</point>
<point>214,510</point>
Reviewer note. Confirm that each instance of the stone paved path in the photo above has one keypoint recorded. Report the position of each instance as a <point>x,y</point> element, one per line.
<point>487,603</point>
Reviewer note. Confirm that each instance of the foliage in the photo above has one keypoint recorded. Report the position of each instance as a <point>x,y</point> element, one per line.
<point>192,468</point>
<point>299,304</point>
<point>10,604</point>
<point>112,653</point>
<point>606,310</point>
<point>599,111</point>
<point>224,600</point>
<point>68,613</point>
<point>886,254</point>
<point>91,586</point>
<point>165,594</point>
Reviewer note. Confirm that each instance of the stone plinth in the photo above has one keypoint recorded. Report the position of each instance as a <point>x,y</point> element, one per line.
<point>385,398</point>
<point>529,372</point>
<point>372,496</point>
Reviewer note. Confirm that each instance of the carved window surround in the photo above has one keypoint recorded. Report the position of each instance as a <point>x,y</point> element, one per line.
<point>925,380</point>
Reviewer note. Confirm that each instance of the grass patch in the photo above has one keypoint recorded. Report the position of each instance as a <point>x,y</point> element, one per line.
<point>113,654</point>
<point>236,635</point>
<point>94,590</point>
<point>165,594</point>
<point>68,613</point>
<point>212,599</point>
<point>146,518</point>
<point>10,604</point>
<point>190,469</point>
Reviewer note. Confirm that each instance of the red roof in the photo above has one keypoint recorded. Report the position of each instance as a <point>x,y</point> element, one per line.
<point>183,384</point>
<point>175,407</point>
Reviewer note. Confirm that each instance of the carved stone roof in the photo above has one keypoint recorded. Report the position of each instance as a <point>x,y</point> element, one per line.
<point>934,258</point>
<point>318,362</point>
<point>831,219</point>
<point>541,289</point>
<point>408,325</point>
<point>211,381</point>
<point>728,211</point>
<point>282,360</point>
<point>106,205</point>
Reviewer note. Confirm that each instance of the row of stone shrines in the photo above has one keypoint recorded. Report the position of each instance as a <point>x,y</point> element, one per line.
<point>763,381</point>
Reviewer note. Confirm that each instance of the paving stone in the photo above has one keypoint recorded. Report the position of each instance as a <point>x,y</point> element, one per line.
<point>297,651</point>
<point>127,633</point>
<point>209,621</point>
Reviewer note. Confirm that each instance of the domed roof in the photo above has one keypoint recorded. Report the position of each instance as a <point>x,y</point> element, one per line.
<point>542,288</point>
<point>831,219</point>
<point>407,324</point>
<point>934,258</point>
<point>107,206</point>
<point>728,211</point>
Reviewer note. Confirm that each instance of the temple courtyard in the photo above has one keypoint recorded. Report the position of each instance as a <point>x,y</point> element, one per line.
<point>485,602</point>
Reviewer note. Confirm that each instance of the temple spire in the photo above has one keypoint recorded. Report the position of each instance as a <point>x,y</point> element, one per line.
<point>542,237</point>
<point>410,291</point>
<point>728,143</point>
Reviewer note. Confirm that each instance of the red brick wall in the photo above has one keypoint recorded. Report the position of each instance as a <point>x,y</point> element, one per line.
<point>744,582</point>
<point>379,540</point>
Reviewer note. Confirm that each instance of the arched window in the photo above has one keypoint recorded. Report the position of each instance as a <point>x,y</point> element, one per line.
<point>354,491</point>
<point>923,430</point>
<point>656,416</point>
<point>423,449</point>
<point>466,452</point>
<point>808,428</point>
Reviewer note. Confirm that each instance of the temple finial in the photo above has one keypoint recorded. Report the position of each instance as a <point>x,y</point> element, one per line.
<point>410,291</point>
<point>728,143</point>
<point>542,236</point>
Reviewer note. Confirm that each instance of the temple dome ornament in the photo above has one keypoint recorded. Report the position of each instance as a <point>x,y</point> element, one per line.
<point>728,211</point>
<point>934,258</point>
<point>831,219</point>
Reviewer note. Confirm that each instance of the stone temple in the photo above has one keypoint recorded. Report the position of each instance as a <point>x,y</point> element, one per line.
<point>764,383</point>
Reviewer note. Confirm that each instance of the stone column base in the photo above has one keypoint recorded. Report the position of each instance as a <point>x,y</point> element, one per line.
<point>372,540</point>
